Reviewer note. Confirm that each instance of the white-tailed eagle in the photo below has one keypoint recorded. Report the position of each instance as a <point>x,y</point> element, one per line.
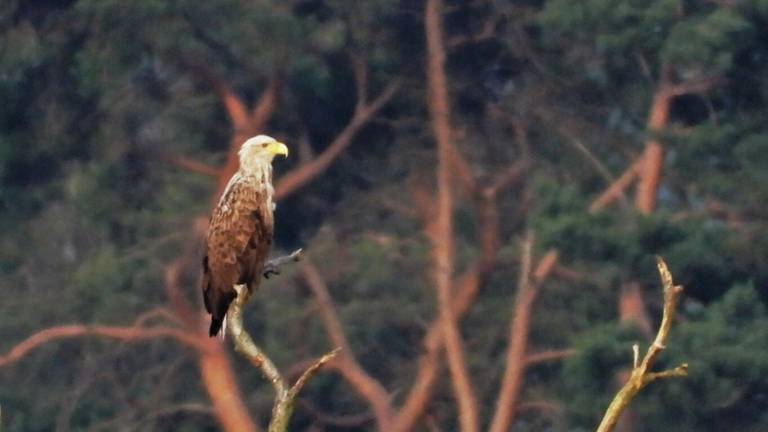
<point>240,231</point>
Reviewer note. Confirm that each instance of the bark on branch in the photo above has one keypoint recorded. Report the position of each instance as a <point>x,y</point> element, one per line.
<point>616,189</point>
<point>250,122</point>
<point>545,356</point>
<point>441,236</point>
<point>648,168</point>
<point>236,110</point>
<point>346,364</point>
<point>641,375</point>
<point>285,395</point>
<point>464,287</point>
<point>186,163</point>
<point>300,176</point>
<point>132,333</point>
<point>516,359</point>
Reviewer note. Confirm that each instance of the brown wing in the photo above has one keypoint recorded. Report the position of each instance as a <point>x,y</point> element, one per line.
<point>239,236</point>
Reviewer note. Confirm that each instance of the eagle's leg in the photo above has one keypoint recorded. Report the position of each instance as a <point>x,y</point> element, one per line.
<point>272,267</point>
<point>242,293</point>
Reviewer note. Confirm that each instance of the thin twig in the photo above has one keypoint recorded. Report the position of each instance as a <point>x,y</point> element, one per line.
<point>550,355</point>
<point>640,376</point>
<point>312,370</point>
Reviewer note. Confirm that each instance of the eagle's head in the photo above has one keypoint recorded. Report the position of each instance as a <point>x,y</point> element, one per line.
<point>259,151</point>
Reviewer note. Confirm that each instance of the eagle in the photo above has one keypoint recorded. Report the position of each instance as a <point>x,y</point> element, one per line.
<point>240,230</point>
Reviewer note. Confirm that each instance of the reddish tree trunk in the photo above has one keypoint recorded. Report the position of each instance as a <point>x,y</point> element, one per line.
<point>220,383</point>
<point>516,358</point>
<point>441,234</point>
<point>652,163</point>
<point>632,308</point>
<point>346,363</point>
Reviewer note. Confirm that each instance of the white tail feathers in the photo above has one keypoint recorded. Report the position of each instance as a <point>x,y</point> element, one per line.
<point>223,331</point>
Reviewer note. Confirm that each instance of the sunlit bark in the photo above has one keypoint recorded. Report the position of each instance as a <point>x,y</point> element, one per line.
<point>441,232</point>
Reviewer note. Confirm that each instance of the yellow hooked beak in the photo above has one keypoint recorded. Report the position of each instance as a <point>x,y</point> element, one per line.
<point>277,148</point>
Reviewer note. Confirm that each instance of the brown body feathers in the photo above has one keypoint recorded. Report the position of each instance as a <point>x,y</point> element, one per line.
<point>237,245</point>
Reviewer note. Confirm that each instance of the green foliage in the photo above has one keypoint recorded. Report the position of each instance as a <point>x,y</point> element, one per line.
<point>610,30</point>
<point>706,43</point>
<point>590,376</point>
<point>721,346</point>
<point>21,49</point>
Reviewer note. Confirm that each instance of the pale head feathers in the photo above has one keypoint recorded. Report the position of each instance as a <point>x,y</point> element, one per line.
<point>257,153</point>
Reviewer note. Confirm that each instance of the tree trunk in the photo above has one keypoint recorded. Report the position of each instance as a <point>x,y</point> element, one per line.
<point>442,230</point>
<point>632,308</point>
<point>653,156</point>
<point>512,382</point>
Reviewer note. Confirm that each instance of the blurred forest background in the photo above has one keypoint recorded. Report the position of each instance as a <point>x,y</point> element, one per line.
<point>480,188</point>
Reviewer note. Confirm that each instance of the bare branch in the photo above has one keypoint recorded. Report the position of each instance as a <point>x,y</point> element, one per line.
<point>360,71</point>
<point>233,104</point>
<point>540,405</point>
<point>346,364</point>
<point>311,371</point>
<point>285,397</point>
<point>507,177</point>
<point>701,85</point>
<point>617,188</point>
<point>596,163</point>
<point>265,106</point>
<point>342,421</point>
<point>158,312</point>
<point>462,169</point>
<point>546,266</point>
<point>487,32</point>
<point>300,176</point>
<point>441,237</point>
<point>133,333</point>
<point>168,410</point>
<point>248,348</point>
<point>641,376</point>
<point>186,163</point>
<point>545,356</point>
<point>328,313</point>
<point>644,67</point>
<point>464,288</point>
<point>254,121</point>
<point>182,308</point>
<point>517,360</point>
<point>517,344</point>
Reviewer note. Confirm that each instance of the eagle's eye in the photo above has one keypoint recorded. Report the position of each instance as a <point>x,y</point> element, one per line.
<point>263,145</point>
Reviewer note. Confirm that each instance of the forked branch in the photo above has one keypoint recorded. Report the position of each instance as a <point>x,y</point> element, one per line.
<point>285,395</point>
<point>641,376</point>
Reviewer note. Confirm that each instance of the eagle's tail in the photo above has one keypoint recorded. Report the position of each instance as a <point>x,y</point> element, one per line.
<point>218,301</point>
<point>216,325</point>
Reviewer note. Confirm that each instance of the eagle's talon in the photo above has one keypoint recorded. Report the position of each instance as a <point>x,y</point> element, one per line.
<point>270,270</point>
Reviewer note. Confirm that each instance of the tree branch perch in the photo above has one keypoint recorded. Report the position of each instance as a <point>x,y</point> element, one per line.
<point>640,376</point>
<point>285,396</point>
